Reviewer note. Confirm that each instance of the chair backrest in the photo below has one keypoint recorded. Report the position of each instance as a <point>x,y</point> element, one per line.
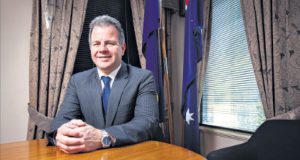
<point>42,121</point>
<point>277,139</point>
<point>274,140</point>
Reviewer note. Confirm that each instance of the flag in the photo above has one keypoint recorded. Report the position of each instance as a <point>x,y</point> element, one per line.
<point>151,49</point>
<point>192,55</point>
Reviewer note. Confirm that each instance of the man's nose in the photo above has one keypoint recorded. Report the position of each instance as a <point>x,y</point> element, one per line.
<point>102,47</point>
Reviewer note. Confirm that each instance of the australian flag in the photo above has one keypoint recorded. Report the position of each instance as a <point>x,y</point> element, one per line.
<point>151,49</point>
<point>192,55</point>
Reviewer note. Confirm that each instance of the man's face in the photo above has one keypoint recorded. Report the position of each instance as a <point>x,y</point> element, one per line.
<point>106,51</point>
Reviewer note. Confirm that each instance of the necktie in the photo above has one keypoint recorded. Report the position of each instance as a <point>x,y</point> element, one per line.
<point>105,92</point>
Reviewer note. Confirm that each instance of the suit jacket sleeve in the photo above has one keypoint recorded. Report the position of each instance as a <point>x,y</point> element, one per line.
<point>145,123</point>
<point>70,109</point>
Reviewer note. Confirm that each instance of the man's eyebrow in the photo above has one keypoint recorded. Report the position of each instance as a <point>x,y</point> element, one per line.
<point>109,40</point>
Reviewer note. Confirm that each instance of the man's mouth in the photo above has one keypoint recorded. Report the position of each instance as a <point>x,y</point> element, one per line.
<point>104,57</point>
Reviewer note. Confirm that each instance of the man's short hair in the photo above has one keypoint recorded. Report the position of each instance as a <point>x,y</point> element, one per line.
<point>106,20</point>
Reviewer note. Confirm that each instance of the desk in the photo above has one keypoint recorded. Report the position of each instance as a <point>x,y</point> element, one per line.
<point>150,150</point>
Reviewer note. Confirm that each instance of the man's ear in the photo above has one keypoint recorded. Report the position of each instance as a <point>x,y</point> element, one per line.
<point>123,47</point>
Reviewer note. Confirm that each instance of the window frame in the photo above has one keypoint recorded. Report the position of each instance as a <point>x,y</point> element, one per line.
<point>201,117</point>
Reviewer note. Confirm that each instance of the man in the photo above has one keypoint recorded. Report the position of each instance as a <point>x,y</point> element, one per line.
<point>98,113</point>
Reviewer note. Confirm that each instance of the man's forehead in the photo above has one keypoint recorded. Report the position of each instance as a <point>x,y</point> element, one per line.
<point>106,26</point>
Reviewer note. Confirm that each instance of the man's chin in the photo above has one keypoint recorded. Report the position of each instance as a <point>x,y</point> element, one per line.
<point>103,65</point>
<point>105,69</point>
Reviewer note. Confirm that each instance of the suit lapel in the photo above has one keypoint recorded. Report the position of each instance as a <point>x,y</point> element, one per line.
<point>116,93</point>
<point>96,89</point>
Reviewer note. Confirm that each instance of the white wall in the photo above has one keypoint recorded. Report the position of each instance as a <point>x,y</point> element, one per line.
<point>177,42</point>
<point>14,95</point>
<point>212,139</point>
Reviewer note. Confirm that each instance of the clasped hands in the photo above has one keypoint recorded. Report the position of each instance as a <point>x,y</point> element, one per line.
<point>77,136</point>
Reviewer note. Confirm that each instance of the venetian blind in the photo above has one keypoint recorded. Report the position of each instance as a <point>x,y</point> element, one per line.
<point>230,95</point>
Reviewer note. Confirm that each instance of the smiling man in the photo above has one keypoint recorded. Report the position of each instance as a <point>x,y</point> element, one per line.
<point>110,105</point>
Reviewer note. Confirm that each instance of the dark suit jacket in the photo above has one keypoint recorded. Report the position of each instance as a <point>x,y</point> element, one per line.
<point>132,114</point>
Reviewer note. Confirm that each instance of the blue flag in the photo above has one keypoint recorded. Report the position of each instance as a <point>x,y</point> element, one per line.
<point>151,48</point>
<point>192,55</point>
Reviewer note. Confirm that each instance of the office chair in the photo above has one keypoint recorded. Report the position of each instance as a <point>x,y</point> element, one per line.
<point>273,140</point>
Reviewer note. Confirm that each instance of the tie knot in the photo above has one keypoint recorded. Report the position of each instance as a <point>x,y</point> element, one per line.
<point>105,80</point>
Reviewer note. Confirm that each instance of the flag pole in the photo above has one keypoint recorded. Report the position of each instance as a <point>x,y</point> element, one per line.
<point>162,42</point>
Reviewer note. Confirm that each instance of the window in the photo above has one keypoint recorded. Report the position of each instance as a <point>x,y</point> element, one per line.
<point>230,95</point>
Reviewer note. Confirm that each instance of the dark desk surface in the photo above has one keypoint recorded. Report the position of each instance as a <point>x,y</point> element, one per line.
<point>150,150</point>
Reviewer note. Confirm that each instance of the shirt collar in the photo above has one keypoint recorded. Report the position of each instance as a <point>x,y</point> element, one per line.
<point>112,75</point>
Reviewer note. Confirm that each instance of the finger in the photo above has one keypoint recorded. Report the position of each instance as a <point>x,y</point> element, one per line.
<point>88,132</point>
<point>70,125</point>
<point>75,124</point>
<point>83,128</point>
<point>69,132</point>
<point>78,122</point>
<point>69,141</point>
<point>70,149</point>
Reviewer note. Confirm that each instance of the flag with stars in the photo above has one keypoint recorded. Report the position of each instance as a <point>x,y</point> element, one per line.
<point>151,49</point>
<point>192,55</point>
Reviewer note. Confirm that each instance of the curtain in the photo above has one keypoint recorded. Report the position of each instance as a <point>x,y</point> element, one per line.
<point>137,9</point>
<point>206,43</point>
<point>273,35</point>
<point>55,34</point>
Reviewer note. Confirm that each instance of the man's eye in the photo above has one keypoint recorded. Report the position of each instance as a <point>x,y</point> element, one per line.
<point>111,44</point>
